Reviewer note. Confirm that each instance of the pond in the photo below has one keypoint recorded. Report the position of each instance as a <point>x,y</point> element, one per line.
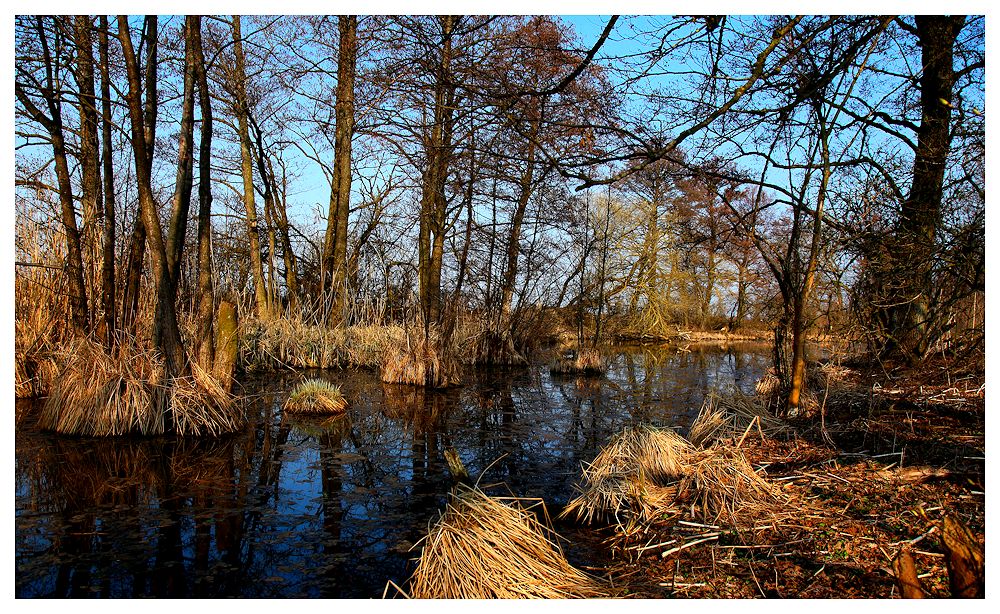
<point>314,508</point>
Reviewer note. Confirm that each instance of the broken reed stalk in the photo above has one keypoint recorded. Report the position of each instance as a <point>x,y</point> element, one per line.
<point>316,396</point>
<point>485,548</point>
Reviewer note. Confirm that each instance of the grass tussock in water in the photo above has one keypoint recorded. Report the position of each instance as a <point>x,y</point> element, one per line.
<point>646,472</point>
<point>316,396</point>
<point>488,343</point>
<point>101,394</point>
<point>422,360</point>
<point>486,548</point>
<point>585,361</point>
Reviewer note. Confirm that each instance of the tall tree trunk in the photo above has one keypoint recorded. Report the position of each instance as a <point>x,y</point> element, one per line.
<point>241,109</point>
<point>526,189</point>
<point>184,182</point>
<point>52,123</point>
<point>205,295</point>
<point>108,264</point>
<point>335,244</point>
<point>137,242</point>
<point>90,184</point>
<point>166,335</point>
<point>921,211</point>
<point>433,209</point>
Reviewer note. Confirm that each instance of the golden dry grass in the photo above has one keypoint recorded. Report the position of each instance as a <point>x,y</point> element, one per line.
<point>734,415</point>
<point>291,343</point>
<point>487,548</point>
<point>586,361</point>
<point>98,394</point>
<point>316,396</point>
<point>423,360</point>
<point>646,472</point>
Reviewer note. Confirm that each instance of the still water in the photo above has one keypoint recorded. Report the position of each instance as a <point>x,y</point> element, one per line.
<point>313,508</point>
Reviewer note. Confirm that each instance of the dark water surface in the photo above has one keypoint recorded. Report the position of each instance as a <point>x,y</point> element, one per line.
<point>307,508</point>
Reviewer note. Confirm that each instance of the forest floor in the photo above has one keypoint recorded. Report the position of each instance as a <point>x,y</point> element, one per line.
<point>900,450</point>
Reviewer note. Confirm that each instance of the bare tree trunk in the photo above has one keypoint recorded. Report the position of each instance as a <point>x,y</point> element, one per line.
<point>166,335</point>
<point>241,109</point>
<point>54,127</point>
<point>185,166</point>
<point>90,185</point>
<point>335,245</point>
<point>433,200</point>
<point>920,217</point>
<point>108,264</point>
<point>205,296</point>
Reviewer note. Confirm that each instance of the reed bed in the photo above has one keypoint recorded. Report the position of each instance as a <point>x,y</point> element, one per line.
<point>646,472</point>
<point>768,385</point>
<point>734,415</point>
<point>425,359</point>
<point>487,548</point>
<point>291,343</point>
<point>316,396</point>
<point>586,361</point>
<point>98,394</point>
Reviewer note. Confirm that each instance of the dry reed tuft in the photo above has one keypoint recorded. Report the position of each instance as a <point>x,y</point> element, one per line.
<point>768,385</point>
<point>586,361</point>
<point>725,417</point>
<point>488,343</point>
<point>485,548</point>
<point>646,472</point>
<point>98,394</point>
<point>316,396</point>
<point>423,360</point>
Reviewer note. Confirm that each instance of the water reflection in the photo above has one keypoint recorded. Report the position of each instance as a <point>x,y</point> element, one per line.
<point>326,508</point>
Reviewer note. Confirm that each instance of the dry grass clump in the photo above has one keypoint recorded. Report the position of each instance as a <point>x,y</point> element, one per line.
<point>490,344</point>
<point>724,417</point>
<point>768,385</point>
<point>586,361</point>
<point>98,394</point>
<point>291,343</point>
<point>423,360</point>
<point>646,472</point>
<point>485,548</point>
<point>316,396</point>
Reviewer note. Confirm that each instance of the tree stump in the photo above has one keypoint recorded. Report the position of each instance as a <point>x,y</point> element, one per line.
<point>226,345</point>
<point>965,558</point>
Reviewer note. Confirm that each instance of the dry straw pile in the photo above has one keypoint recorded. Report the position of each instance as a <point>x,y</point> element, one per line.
<point>485,548</point>
<point>316,396</point>
<point>646,473</point>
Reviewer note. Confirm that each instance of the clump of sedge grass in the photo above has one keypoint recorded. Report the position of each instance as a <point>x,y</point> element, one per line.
<point>425,359</point>
<point>101,394</point>
<point>586,361</point>
<point>646,472</point>
<point>484,547</point>
<point>732,416</point>
<point>316,396</point>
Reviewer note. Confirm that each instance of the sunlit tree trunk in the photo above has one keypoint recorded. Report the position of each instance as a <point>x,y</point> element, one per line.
<point>166,335</point>
<point>242,109</point>
<point>335,243</point>
<point>205,295</point>
<point>108,264</point>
